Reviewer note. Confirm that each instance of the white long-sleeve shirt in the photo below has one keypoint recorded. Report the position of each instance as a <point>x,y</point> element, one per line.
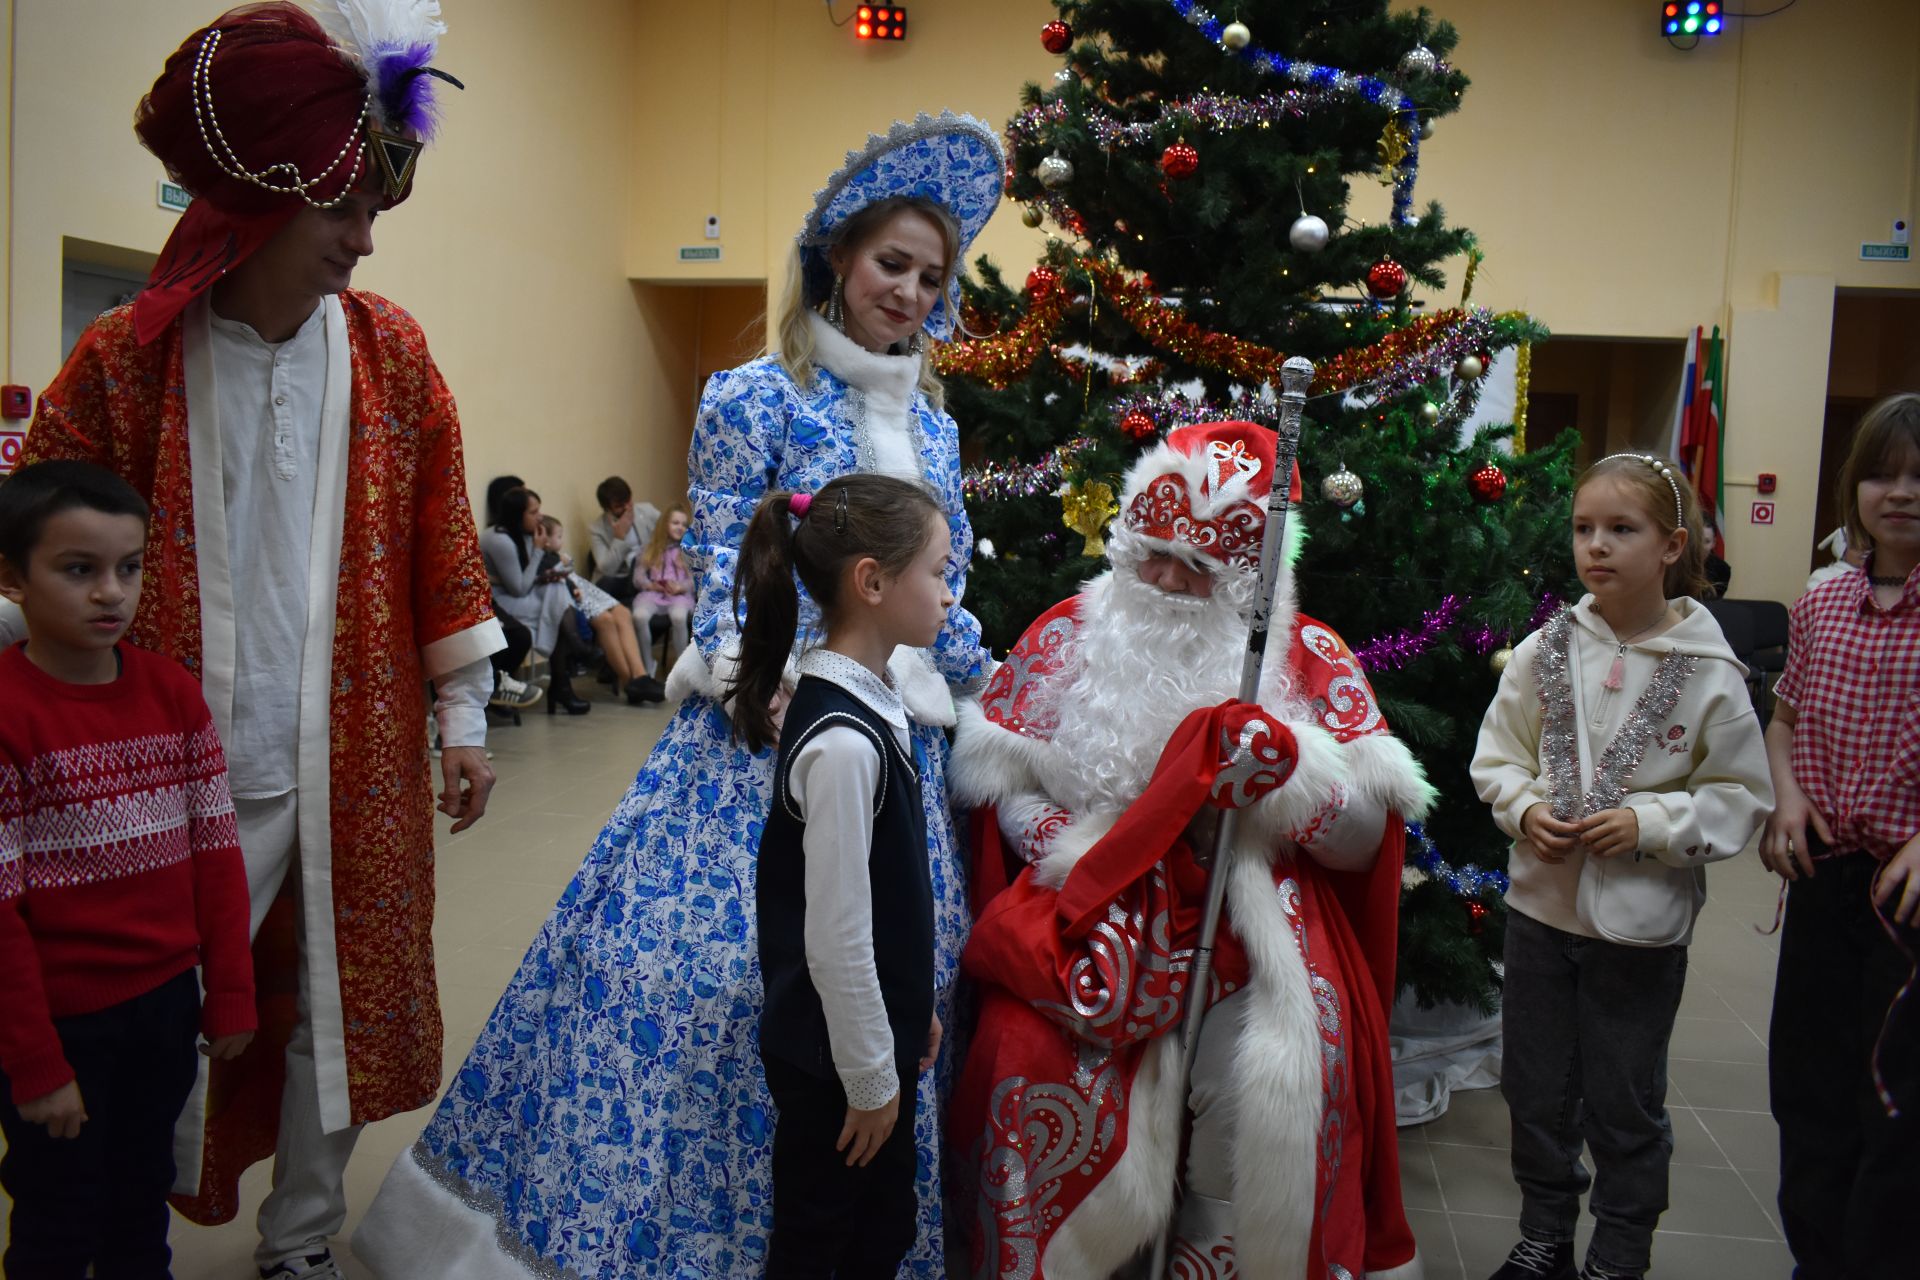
<point>269,399</point>
<point>833,780</point>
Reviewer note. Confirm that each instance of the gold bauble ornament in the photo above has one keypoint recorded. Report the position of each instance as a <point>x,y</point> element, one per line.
<point>1499,659</point>
<point>1085,508</point>
<point>1032,216</point>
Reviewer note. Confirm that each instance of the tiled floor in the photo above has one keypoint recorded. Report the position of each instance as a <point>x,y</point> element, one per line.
<point>559,778</point>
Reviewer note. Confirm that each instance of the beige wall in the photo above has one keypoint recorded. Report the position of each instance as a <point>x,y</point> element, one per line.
<point>745,113</point>
<point>1621,188</point>
<point>511,252</point>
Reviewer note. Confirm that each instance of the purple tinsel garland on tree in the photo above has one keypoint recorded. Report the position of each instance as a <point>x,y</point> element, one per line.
<point>1397,649</point>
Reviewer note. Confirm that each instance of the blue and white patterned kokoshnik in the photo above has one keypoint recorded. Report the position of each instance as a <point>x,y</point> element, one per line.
<point>954,160</point>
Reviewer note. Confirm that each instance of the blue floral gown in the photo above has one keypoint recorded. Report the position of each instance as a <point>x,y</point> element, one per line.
<point>612,1119</point>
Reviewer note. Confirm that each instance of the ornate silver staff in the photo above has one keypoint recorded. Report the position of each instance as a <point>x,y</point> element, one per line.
<point>1295,376</point>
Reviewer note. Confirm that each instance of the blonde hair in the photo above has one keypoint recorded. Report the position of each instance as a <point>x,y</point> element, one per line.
<point>656,548</point>
<point>1876,443</point>
<point>1669,501</point>
<point>808,290</point>
<point>550,523</point>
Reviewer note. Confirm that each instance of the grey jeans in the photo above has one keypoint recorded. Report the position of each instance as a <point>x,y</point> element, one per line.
<point>1586,1024</point>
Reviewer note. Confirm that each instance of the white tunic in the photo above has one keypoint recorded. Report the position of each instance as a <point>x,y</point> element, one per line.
<point>270,396</point>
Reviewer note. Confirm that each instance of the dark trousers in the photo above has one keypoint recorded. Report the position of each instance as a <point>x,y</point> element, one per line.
<point>101,1198</point>
<point>1586,1024</point>
<point>519,644</point>
<point>1848,1171</point>
<point>828,1219</point>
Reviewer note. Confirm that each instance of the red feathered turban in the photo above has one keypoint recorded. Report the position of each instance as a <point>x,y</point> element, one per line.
<point>263,113</point>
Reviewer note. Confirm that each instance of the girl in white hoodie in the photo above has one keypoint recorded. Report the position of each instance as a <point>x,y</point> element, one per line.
<point>1622,755</point>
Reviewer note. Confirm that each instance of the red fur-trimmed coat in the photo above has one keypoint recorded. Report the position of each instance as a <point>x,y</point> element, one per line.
<point>1067,1111</point>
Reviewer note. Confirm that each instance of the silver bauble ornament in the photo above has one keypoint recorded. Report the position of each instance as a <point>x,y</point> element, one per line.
<point>1055,171</point>
<point>1418,61</point>
<point>1343,488</point>
<point>1429,413</point>
<point>1308,234</point>
<point>1499,659</point>
<point>1469,368</point>
<point>1235,35</point>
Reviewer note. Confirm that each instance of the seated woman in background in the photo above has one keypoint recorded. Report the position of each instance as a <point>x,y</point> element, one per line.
<point>663,585</point>
<point>521,590</point>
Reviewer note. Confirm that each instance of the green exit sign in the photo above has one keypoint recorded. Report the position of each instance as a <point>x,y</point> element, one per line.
<point>173,196</point>
<point>1884,252</point>
<point>700,253</point>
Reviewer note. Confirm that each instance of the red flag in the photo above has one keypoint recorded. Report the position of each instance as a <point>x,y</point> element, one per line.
<point>1700,438</point>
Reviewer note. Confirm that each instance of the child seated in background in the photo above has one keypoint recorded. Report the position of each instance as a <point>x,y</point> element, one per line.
<point>599,614</point>
<point>120,874</point>
<point>663,585</point>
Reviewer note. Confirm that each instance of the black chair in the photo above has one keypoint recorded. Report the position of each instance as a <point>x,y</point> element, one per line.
<point>1737,625</point>
<point>1769,634</point>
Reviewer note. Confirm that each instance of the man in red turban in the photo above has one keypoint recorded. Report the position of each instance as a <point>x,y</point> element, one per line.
<point>312,559</point>
<point>1094,758</point>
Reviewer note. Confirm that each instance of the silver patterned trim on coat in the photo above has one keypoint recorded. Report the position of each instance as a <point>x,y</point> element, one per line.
<point>490,1204</point>
<point>1559,749</point>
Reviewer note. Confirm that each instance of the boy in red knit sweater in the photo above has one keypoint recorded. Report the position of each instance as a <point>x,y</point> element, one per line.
<point>120,874</point>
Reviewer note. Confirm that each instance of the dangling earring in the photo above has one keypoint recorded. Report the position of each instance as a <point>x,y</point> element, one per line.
<point>917,343</point>
<point>837,304</point>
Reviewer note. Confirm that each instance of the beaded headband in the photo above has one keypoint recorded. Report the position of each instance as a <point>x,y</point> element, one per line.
<point>281,179</point>
<point>1665,472</point>
<point>392,48</point>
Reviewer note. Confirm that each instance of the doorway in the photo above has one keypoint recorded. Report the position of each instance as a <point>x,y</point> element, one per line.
<point>1875,353</point>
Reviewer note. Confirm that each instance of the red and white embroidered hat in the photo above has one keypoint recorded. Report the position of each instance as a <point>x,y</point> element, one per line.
<point>1204,489</point>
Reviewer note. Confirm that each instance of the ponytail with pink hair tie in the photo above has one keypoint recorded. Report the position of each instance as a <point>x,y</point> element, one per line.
<point>797,505</point>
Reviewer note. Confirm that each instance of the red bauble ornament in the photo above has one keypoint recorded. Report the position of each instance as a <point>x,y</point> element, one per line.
<point>1180,160</point>
<point>1386,279</point>
<point>1056,36</point>
<point>1041,280</point>
<point>1138,425</point>
<point>1488,483</point>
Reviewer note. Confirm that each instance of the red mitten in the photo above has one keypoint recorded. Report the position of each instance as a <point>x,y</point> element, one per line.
<point>1257,754</point>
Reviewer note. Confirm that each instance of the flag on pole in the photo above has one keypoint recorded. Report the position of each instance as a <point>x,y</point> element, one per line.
<point>1719,424</point>
<point>1700,436</point>
<point>1683,404</point>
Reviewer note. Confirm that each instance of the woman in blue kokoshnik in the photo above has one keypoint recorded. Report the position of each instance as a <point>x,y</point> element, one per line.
<point>612,1119</point>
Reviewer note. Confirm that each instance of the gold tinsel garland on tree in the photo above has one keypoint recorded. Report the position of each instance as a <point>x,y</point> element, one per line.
<point>1002,359</point>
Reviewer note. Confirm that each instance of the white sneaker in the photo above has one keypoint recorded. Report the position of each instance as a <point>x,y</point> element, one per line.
<point>315,1266</point>
<point>515,695</point>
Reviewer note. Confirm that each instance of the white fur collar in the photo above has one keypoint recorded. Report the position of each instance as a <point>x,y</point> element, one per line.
<point>888,440</point>
<point>893,377</point>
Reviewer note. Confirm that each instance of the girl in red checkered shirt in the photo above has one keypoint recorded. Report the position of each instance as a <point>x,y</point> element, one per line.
<point>1844,748</point>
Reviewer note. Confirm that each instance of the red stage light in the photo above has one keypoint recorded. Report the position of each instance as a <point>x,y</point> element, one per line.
<point>880,22</point>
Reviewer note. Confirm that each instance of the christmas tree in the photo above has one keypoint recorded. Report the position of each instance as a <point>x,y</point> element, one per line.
<point>1194,168</point>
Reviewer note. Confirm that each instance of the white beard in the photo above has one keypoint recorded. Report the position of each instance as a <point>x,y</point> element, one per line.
<point>1146,660</point>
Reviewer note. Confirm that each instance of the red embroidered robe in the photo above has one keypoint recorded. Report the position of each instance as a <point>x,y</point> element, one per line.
<point>413,602</point>
<point>1066,1108</point>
